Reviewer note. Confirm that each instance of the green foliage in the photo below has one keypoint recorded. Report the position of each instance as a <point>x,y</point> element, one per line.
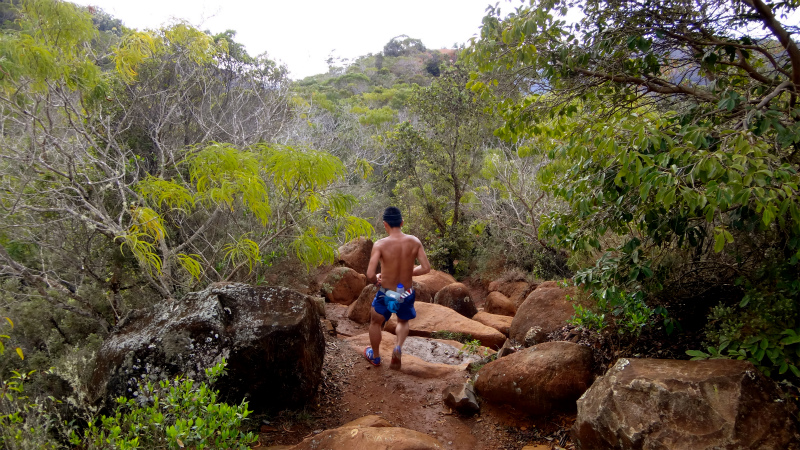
<point>177,414</point>
<point>473,347</point>
<point>586,318</point>
<point>436,160</point>
<point>678,167</point>
<point>301,180</point>
<point>24,423</point>
<point>402,45</point>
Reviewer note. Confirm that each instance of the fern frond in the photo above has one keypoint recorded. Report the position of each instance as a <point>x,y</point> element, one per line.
<point>146,221</point>
<point>143,250</point>
<point>191,264</point>
<point>243,250</point>
<point>161,191</point>
<point>311,170</point>
<point>132,51</point>
<point>364,168</point>
<point>357,227</point>
<point>340,204</point>
<point>314,249</point>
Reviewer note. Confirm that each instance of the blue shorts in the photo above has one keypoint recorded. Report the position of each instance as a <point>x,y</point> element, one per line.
<point>405,311</point>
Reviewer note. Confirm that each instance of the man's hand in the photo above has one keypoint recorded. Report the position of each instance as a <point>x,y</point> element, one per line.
<point>378,277</point>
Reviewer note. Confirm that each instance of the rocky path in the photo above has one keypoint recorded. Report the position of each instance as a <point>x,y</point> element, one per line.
<point>410,398</point>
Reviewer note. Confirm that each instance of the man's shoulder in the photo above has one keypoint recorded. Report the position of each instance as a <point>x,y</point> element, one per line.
<point>411,237</point>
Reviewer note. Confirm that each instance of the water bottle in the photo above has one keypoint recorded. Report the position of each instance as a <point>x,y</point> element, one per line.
<point>400,292</point>
<point>394,298</point>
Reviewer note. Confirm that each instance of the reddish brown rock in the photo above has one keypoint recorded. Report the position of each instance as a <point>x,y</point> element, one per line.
<point>429,284</point>
<point>516,291</point>
<point>355,254</point>
<point>545,310</point>
<point>368,421</point>
<point>412,365</point>
<point>359,437</point>
<point>359,311</point>
<point>496,321</point>
<point>432,318</point>
<point>683,405</point>
<point>540,379</point>
<point>497,303</point>
<point>343,285</point>
<point>456,297</point>
<point>548,285</point>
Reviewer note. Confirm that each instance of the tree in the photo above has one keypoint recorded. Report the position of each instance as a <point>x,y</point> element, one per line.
<point>440,156</point>
<point>403,45</point>
<point>676,149</point>
<point>120,187</point>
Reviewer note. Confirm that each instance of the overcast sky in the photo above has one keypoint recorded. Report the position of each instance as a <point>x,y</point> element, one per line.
<point>302,34</point>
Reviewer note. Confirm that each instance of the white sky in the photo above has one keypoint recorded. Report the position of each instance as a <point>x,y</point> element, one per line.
<point>302,34</point>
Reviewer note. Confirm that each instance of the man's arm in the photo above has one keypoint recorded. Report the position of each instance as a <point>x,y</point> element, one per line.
<point>424,266</point>
<point>374,258</point>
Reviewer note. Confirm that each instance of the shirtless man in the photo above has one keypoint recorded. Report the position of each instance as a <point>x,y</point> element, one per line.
<point>397,254</point>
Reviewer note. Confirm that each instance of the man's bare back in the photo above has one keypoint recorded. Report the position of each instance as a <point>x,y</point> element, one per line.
<point>397,254</point>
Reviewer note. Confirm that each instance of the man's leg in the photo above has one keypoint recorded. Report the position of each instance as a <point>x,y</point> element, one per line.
<point>402,332</point>
<point>375,332</point>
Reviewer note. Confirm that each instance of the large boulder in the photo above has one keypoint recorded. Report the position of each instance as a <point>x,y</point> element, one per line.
<point>545,310</point>
<point>456,297</point>
<point>668,404</point>
<point>270,336</point>
<point>426,286</point>
<point>343,285</point>
<point>516,291</point>
<point>431,317</point>
<point>360,310</point>
<point>496,321</point>
<point>540,379</point>
<point>497,303</point>
<point>355,254</point>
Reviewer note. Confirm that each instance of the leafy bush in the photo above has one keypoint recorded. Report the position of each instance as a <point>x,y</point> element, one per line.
<point>24,423</point>
<point>176,414</point>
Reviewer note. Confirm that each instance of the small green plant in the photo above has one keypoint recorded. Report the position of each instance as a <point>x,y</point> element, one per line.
<point>452,336</point>
<point>172,414</point>
<point>773,355</point>
<point>586,318</point>
<point>473,347</point>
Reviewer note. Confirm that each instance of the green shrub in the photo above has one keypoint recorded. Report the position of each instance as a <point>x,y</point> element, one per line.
<point>24,423</point>
<point>170,415</point>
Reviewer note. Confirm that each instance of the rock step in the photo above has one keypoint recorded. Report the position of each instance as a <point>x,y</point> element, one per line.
<point>440,359</point>
<point>432,317</point>
<point>367,433</point>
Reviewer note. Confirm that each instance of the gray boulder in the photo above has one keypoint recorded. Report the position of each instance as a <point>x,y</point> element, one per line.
<point>652,404</point>
<point>270,336</point>
<point>461,397</point>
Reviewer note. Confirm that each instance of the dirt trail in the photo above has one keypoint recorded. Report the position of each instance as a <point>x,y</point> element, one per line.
<point>353,388</point>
